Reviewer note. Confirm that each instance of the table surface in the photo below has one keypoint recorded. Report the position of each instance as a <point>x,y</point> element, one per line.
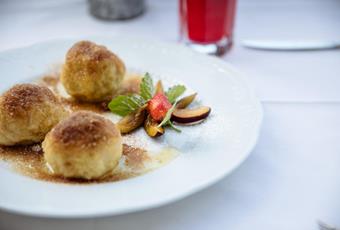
<point>289,180</point>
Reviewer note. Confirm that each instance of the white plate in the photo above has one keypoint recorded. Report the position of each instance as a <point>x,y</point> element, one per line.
<point>210,151</point>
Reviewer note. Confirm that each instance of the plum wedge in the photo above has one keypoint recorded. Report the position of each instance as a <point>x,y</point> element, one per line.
<point>151,127</point>
<point>132,121</point>
<point>185,101</point>
<point>187,116</point>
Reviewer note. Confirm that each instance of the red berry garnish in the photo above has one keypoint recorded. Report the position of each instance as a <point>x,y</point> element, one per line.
<point>158,106</point>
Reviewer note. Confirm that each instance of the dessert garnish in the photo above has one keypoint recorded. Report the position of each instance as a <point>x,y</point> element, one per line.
<point>156,109</point>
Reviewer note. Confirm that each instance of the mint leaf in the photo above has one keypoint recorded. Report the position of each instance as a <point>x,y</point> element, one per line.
<point>125,104</point>
<point>168,115</point>
<point>174,92</point>
<point>146,87</point>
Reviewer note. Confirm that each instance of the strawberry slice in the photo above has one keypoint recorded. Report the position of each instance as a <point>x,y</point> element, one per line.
<point>158,106</point>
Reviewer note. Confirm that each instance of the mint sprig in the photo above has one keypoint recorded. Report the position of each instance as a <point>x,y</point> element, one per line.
<point>174,92</point>
<point>125,104</point>
<point>146,87</point>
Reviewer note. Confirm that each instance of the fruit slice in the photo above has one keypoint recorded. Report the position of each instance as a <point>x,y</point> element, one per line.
<point>159,87</point>
<point>158,106</point>
<point>185,101</point>
<point>132,121</point>
<point>151,127</point>
<point>186,116</point>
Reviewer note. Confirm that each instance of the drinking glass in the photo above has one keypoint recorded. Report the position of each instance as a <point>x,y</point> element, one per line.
<point>207,25</point>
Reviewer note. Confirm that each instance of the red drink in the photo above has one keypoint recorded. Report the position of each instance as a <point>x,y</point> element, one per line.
<point>207,24</point>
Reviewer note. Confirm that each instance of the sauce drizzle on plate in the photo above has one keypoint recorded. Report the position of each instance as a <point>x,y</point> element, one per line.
<point>29,161</point>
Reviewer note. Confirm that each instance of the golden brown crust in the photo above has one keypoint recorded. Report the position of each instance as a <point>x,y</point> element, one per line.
<point>88,50</point>
<point>83,130</point>
<point>91,72</point>
<point>22,97</point>
<point>92,54</point>
<point>27,113</point>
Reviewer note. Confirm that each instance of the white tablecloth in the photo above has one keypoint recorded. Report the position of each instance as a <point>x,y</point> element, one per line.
<point>290,180</point>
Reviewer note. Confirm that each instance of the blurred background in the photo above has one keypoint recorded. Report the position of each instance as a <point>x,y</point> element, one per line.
<point>31,21</point>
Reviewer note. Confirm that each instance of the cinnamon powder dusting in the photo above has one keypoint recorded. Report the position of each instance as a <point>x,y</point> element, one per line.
<point>29,161</point>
